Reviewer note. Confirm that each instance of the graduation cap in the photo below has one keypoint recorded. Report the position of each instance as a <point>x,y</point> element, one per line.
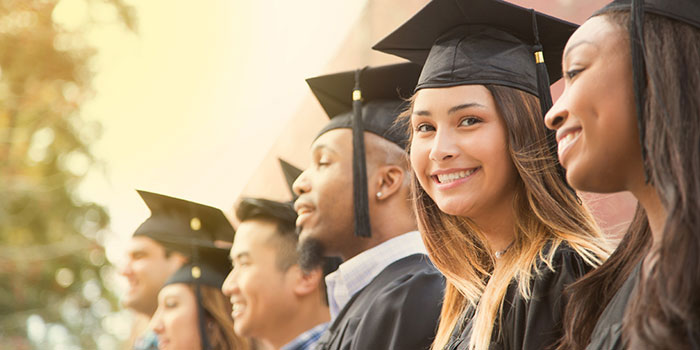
<point>476,42</point>
<point>367,99</point>
<point>291,173</point>
<point>193,229</point>
<point>686,11</point>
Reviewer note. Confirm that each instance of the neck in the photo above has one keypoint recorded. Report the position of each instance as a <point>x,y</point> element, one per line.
<point>385,224</point>
<point>498,227</point>
<point>309,314</point>
<point>656,213</point>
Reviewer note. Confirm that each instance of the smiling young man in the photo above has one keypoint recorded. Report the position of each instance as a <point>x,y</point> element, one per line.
<point>354,202</point>
<point>161,245</point>
<point>274,300</point>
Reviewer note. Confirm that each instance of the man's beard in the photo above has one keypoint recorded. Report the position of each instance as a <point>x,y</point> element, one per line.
<point>310,252</point>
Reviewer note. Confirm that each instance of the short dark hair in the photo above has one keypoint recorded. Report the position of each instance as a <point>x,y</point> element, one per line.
<point>283,215</point>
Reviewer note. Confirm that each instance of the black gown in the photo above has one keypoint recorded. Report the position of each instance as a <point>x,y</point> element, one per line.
<point>534,324</point>
<point>607,334</point>
<point>397,310</point>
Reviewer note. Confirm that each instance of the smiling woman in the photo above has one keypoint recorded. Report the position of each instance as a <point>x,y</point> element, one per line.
<point>493,208</point>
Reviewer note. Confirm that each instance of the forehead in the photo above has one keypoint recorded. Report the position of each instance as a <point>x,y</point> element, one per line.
<point>336,141</point>
<point>253,235</point>
<point>143,243</point>
<point>179,290</point>
<point>598,31</point>
<point>448,97</point>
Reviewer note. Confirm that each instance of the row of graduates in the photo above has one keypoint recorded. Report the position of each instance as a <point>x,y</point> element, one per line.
<point>463,144</point>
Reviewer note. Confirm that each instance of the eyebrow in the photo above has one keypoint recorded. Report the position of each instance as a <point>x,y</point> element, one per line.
<point>322,147</point>
<point>241,255</point>
<point>452,110</point>
<point>576,44</point>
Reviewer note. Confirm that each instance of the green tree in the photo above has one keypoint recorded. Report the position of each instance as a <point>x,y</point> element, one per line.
<point>52,267</point>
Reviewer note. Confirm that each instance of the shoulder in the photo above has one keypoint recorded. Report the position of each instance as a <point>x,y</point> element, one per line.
<point>411,277</point>
<point>566,265</point>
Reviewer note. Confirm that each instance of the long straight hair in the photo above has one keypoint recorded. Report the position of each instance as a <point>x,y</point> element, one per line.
<point>664,310</point>
<point>546,213</point>
<point>218,313</point>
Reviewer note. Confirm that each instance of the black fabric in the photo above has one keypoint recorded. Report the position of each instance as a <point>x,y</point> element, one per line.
<point>383,89</point>
<point>187,227</point>
<point>205,275</point>
<point>291,173</point>
<point>398,310</point>
<point>464,42</point>
<point>607,334</point>
<point>533,324</point>
<point>687,11</point>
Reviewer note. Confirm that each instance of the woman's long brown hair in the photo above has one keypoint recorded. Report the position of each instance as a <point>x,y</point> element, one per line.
<point>664,311</point>
<point>220,324</point>
<point>546,212</point>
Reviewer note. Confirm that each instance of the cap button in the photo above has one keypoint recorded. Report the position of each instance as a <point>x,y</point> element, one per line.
<point>196,272</point>
<point>195,224</point>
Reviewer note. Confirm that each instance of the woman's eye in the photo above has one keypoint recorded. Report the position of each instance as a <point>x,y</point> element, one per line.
<point>424,128</point>
<point>468,121</point>
<point>570,74</point>
<point>170,304</point>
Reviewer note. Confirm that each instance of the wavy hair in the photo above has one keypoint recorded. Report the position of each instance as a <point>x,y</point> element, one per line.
<point>546,213</point>
<point>664,310</point>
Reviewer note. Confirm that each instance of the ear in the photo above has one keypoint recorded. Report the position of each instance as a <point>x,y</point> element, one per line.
<point>389,180</point>
<point>306,283</point>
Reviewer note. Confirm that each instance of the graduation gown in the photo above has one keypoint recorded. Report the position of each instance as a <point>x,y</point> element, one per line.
<point>534,324</point>
<point>607,334</point>
<point>397,310</point>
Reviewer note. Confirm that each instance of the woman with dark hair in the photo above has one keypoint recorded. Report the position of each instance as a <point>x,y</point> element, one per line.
<point>194,314</point>
<point>629,120</point>
<point>494,211</point>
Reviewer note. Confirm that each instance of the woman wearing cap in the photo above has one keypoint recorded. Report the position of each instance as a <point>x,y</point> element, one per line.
<point>629,120</point>
<point>495,212</point>
<point>194,314</point>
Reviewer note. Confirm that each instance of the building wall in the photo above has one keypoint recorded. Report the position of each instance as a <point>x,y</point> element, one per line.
<point>378,19</point>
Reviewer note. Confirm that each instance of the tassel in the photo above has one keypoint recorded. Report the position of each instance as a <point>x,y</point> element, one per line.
<point>359,166</point>
<point>196,274</point>
<point>636,28</point>
<point>545,97</point>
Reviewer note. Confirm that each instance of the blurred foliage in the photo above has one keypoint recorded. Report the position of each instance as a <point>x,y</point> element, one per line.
<point>52,266</point>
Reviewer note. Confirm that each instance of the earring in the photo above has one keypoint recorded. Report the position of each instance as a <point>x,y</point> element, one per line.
<point>379,195</point>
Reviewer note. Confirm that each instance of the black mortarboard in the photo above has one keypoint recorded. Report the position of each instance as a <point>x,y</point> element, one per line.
<point>187,227</point>
<point>464,42</point>
<point>291,173</point>
<point>687,11</point>
<point>192,229</point>
<point>370,100</point>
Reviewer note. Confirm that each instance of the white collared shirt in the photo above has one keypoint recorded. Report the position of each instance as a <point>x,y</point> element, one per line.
<point>356,273</point>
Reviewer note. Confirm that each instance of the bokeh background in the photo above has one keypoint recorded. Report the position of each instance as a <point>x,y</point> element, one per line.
<point>194,99</point>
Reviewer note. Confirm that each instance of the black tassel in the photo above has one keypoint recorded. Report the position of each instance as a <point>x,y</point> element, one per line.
<point>196,274</point>
<point>545,97</point>
<point>359,166</point>
<point>636,28</point>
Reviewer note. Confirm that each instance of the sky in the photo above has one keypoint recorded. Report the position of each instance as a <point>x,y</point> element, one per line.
<point>191,102</point>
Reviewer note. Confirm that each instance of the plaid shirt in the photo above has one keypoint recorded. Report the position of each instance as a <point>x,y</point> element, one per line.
<point>359,271</point>
<point>306,340</point>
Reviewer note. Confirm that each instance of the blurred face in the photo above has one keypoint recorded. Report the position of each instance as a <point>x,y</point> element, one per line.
<point>175,321</point>
<point>147,268</point>
<point>325,203</point>
<point>595,118</point>
<point>261,295</point>
<point>459,151</point>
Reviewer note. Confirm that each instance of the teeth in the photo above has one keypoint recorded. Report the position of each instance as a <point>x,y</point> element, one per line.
<point>451,177</point>
<point>566,140</point>
<point>237,308</point>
